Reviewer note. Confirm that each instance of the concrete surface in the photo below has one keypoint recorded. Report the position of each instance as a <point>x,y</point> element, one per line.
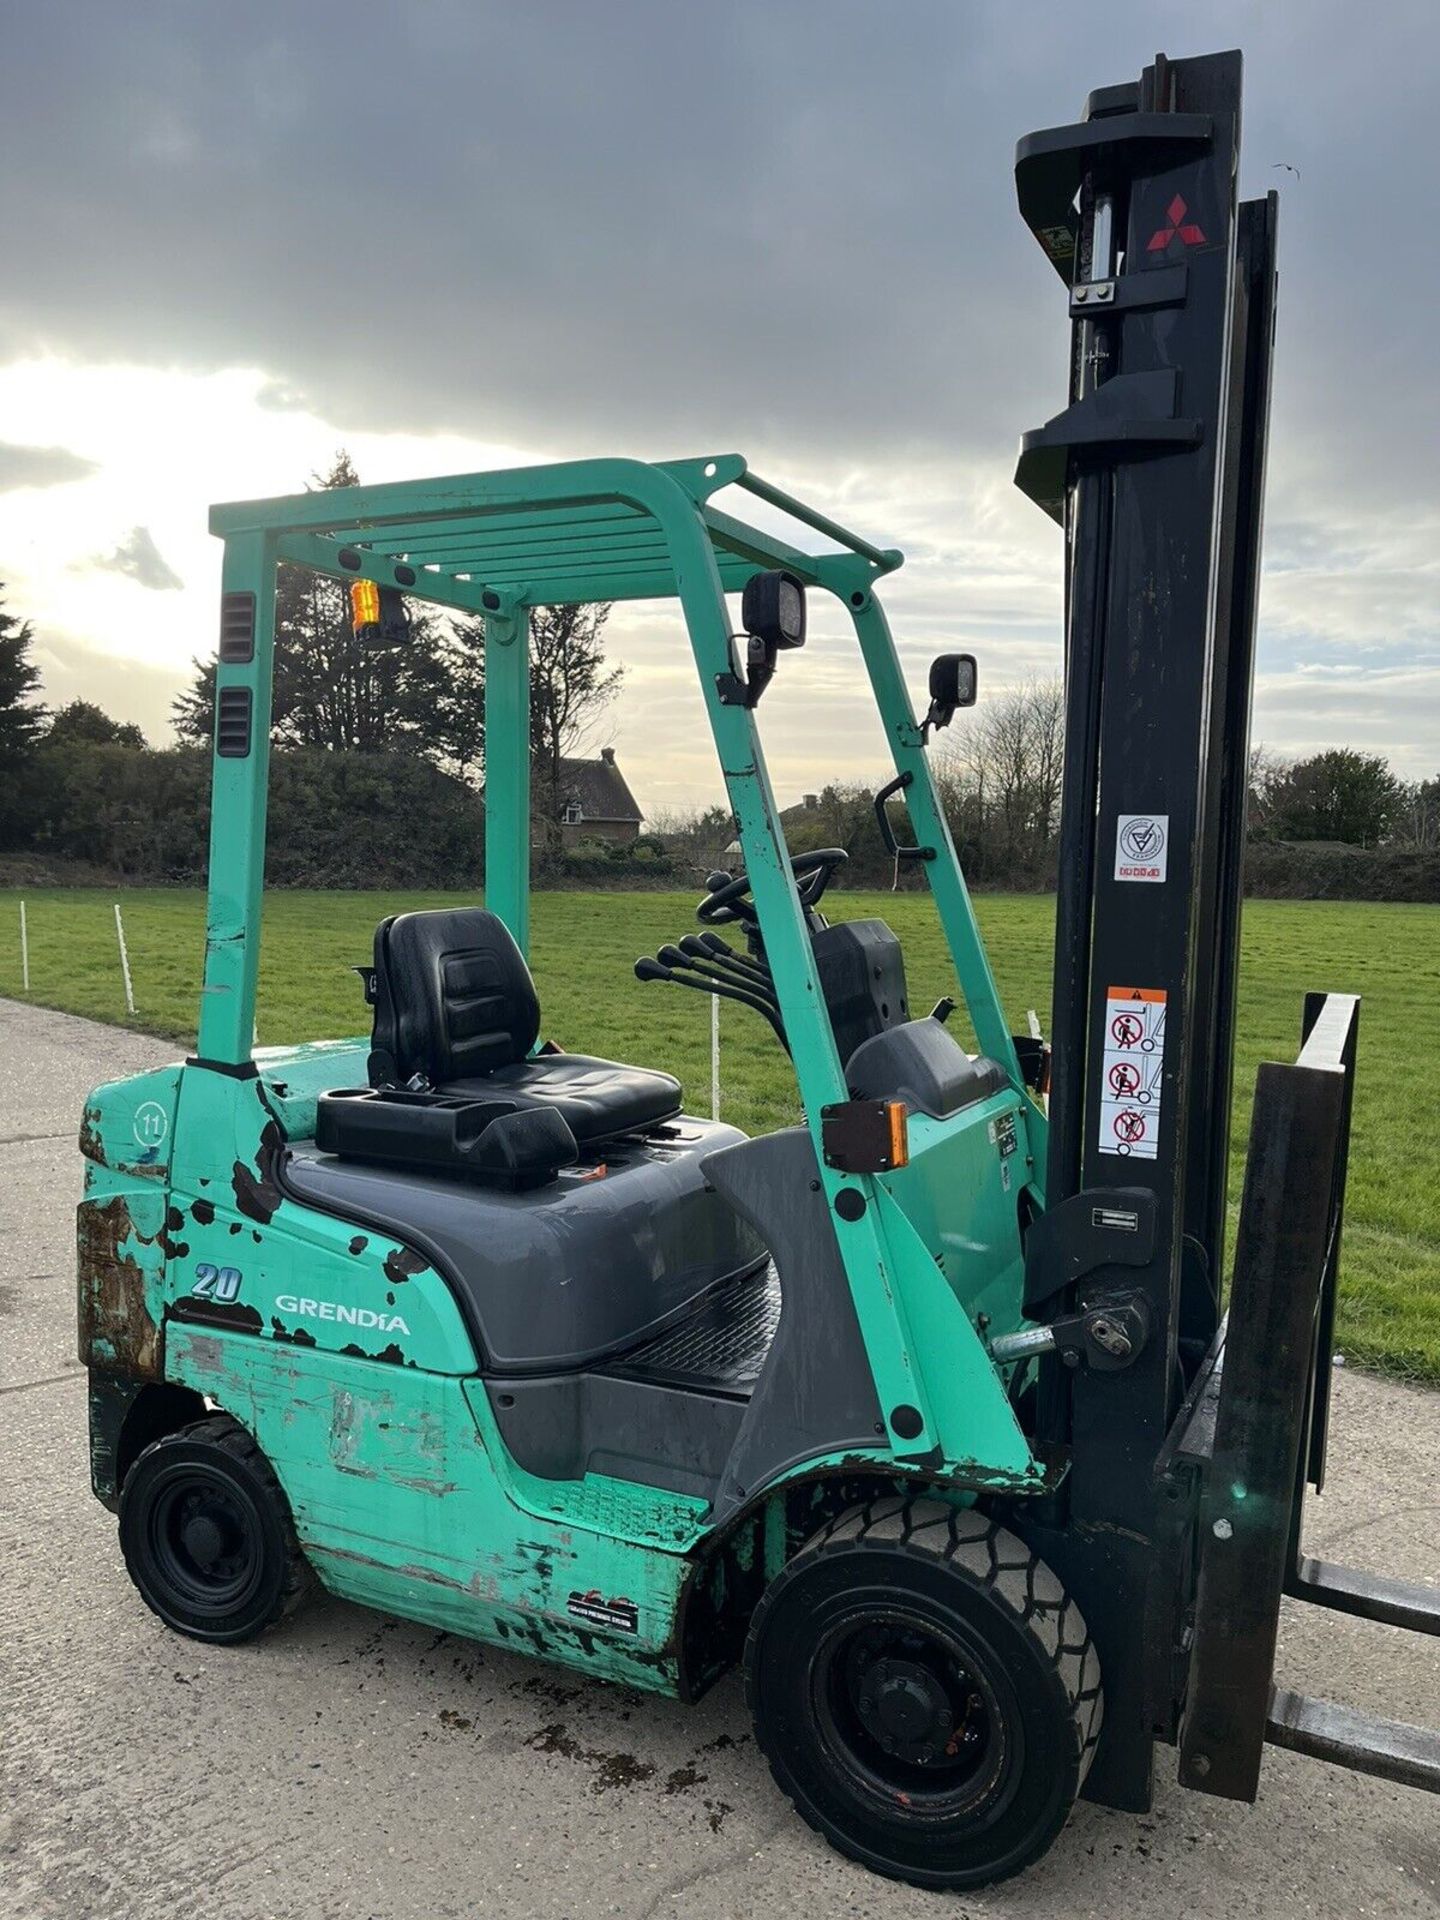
<point>352,1764</point>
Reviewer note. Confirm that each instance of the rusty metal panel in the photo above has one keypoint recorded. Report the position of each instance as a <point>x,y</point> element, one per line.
<point>119,1269</point>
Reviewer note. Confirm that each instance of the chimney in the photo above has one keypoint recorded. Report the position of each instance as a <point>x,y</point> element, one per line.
<point>812,800</point>
<point>607,754</point>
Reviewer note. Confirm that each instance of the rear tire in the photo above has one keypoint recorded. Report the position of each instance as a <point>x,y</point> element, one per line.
<point>926,1693</point>
<point>207,1535</point>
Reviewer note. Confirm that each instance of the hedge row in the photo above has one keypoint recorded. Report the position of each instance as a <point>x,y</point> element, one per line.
<point>376,820</point>
<point>335,820</point>
<point>1325,873</point>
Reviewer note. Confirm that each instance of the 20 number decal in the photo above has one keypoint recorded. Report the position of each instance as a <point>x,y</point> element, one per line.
<point>216,1283</point>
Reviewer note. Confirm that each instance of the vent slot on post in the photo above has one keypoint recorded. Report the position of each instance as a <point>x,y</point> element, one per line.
<point>232,724</point>
<point>237,629</point>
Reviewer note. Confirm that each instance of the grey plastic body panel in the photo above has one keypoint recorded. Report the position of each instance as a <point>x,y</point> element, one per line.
<point>666,1415</point>
<point>815,1393</point>
<point>564,1426</point>
<point>924,1065</point>
<point>570,1273</point>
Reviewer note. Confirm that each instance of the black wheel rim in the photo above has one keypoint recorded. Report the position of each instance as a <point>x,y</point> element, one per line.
<point>914,1718</point>
<point>205,1543</point>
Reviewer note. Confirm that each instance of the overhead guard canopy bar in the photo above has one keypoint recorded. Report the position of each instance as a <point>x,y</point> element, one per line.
<point>595,537</point>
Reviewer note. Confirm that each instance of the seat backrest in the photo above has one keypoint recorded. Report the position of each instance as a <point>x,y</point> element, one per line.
<point>453,998</point>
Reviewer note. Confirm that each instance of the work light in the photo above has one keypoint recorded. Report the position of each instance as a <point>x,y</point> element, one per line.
<point>772,609</point>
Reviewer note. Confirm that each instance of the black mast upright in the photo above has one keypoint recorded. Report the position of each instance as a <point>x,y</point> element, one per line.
<point>1155,470</point>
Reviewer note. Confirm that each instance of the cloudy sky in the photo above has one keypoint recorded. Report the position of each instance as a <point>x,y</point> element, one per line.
<point>450,235</point>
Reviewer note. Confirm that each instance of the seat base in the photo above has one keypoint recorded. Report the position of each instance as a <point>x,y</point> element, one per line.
<point>597,1099</point>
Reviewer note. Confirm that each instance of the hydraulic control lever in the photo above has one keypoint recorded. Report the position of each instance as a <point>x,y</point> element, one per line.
<point>648,969</point>
<point>745,973</point>
<point>722,951</point>
<point>678,960</point>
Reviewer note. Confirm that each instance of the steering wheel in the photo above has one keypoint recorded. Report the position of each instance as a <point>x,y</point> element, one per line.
<point>812,871</point>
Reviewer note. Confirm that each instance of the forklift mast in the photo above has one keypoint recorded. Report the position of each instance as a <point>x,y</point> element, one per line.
<point>1156,472</point>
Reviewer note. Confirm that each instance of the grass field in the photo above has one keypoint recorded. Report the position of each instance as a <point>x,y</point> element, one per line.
<point>585,944</point>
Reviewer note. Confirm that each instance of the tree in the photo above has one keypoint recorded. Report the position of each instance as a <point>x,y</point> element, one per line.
<point>83,721</point>
<point>1416,825</point>
<point>192,713</point>
<point>570,688</point>
<point>1338,795</point>
<point>1000,777</point>
<point>1265,779</point>
<point>332,689</point>
<point>21,720</point>
<point>698,839</point>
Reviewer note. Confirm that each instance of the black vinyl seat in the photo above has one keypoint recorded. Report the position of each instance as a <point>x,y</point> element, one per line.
<point>455,1003</point>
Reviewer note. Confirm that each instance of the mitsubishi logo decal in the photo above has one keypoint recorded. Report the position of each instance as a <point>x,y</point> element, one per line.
<point>1181,229</point>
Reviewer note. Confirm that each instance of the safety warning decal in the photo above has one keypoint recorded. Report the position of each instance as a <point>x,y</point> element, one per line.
<point>1141,846</point>
<point>620,1614</point>
<point>1134,1061</point>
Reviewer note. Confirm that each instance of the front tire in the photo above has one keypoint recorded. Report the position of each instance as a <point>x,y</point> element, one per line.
<point>207,1535</point>
<point>925,1692</point>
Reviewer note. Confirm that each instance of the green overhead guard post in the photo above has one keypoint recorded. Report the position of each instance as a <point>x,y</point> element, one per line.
<point>507,764</point>
<point>241,748</point>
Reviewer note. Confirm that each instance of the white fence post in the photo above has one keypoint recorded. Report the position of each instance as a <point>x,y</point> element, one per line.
<point>124,960</point>
<point>24,949</point>
<point>714,1056</point>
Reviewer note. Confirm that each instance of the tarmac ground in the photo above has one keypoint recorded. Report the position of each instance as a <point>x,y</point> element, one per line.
<point>353,1764</point>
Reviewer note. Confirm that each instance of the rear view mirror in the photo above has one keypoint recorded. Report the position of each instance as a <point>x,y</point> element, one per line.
<point>954,682</point>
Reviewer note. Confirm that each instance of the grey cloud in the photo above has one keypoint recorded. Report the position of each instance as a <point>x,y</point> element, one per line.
<point>139,559</point>
<point>276,397</point>
<point>40,467</point>
<point>658,229</point>
<point>787,228</point>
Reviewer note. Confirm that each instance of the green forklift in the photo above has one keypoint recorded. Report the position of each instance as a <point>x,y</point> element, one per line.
<point>925,1410</point>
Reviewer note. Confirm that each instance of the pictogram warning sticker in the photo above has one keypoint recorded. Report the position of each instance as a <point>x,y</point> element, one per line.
<point>1132,1076</point>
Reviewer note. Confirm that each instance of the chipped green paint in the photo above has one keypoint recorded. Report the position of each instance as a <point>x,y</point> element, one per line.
<point>400,1503</point>
<point>128,1126</point>
<point>300,1282</point>
<point>642,1516</point>
<point>294,1077</point>
<point>120,1277</point>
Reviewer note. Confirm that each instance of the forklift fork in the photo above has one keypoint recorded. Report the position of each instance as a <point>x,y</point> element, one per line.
<point>1257,1429</point>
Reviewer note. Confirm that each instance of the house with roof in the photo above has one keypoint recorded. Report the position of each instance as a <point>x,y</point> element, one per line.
<point>596,803</point>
